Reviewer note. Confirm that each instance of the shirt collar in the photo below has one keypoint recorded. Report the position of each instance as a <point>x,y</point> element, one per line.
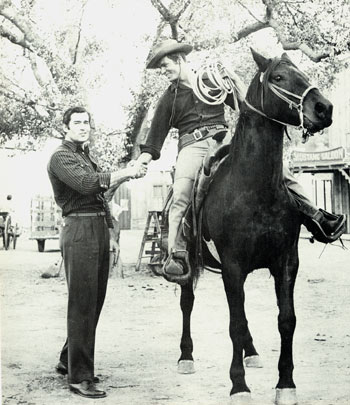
<point>76,147</point>
<point>172,87</point>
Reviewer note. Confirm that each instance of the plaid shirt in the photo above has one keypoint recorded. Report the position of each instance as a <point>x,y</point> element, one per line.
<point>77,181</point>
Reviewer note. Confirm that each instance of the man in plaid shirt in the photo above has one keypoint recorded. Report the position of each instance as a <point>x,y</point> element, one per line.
<point>79,185</point>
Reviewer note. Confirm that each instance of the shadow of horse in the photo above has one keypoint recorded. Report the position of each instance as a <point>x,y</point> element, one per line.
<point>251,219</point>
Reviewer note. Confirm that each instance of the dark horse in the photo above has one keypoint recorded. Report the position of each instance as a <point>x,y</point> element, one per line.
<point>251,218</point>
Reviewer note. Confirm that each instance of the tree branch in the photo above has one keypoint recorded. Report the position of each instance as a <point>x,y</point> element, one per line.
<point>250,12</point>
<point>162,9</point>
<point>315,56</point>
<point>250,29</point>
<point>14,39</point>
<point>33,40</point>
<point>183,9</point>
<point>38,107</point>
<point>79,32</point>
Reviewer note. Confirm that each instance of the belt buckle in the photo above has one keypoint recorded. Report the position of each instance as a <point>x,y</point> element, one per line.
<point>197,134</point>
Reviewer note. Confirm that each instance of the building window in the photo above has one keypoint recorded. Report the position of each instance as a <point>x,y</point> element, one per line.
<point>323,193</point>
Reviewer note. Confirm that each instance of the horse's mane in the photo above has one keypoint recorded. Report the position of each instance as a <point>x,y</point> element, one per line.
<point>256,90</point>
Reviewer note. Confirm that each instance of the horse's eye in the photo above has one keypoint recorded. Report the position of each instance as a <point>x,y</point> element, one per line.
<point>278,78</point>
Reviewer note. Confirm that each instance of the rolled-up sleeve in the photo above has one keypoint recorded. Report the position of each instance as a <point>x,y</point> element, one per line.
<point>159,127</point>
<point>67,168</point>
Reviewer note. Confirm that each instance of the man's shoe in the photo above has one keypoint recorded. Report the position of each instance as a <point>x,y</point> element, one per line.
<point>331,224</point>
<point>62,369</point>
<point>87,389</point>
<point>173,268</point>
<point>326,227</point>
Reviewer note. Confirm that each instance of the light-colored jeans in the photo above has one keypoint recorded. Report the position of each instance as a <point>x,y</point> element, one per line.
<point>188,163</point>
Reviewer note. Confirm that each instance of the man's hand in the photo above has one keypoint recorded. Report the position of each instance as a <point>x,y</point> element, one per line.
<point>134,170</point>
<point>137,169</point>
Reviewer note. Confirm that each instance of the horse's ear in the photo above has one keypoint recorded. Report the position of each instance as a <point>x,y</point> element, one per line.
<point>260,60</point>
<point>286,57</point>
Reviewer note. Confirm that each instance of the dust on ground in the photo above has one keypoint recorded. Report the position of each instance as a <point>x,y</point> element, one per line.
<point>138,336</point>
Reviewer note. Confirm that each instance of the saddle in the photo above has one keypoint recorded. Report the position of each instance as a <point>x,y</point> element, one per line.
<point>190,231</point>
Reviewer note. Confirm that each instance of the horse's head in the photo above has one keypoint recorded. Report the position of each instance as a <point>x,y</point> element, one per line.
<point>283,93</point>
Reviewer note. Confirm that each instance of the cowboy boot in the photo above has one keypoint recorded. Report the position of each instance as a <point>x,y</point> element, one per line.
<point>326,227</point>
<point>175,264</point>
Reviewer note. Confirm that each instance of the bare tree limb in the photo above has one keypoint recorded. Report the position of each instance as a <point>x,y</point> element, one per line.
<point>171,18</point>
<point>249,11</point>
<point>14,39</point>
<point>39,108</point>
<point>183,9</point>
<point>79,32</point>
<point>271,22</point>
<point>36,43</point>
<point>162,9</point>
<point>315,56</point>
<point>250,29</point>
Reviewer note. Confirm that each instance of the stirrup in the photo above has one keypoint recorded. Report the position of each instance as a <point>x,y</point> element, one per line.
<point>182,257</point>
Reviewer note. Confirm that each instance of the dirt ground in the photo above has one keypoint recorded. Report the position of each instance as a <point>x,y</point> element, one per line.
<point>138,336</point>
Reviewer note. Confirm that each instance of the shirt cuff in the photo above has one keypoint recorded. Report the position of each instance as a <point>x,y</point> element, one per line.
<point>105,180</point>
<point>151,150</point>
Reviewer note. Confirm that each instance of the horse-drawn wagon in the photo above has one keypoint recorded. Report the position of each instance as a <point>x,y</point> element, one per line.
<point>46,218</point>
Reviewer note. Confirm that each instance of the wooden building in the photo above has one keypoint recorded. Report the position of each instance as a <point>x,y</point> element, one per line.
<point>329,168</point>
<point>330,178</point>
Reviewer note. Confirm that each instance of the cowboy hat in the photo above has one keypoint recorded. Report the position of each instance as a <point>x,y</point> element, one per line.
<point>165,48</point>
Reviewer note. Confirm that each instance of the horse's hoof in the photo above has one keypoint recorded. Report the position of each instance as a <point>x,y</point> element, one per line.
<point>253,361</point>
<point>241,398</point>
<point>185,367</point>
<point>286,396</point>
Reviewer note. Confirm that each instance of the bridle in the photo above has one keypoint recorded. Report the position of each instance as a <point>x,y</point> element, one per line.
<point>222,85</point>
<point>278,91</point>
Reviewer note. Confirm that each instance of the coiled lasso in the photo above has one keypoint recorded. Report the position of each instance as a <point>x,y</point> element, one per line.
<point>221,84</point>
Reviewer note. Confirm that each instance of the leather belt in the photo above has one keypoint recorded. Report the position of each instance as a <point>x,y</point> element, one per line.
<point>87,214</point>
<point>199,134</point>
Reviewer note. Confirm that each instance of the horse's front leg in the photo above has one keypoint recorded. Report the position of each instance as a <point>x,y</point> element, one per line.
<point>186,363</point>
<point>251,356</point>
<point>234,288</point>
<point>284,285</point>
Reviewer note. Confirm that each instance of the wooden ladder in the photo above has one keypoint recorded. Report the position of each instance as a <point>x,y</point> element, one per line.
<point>152,234</point>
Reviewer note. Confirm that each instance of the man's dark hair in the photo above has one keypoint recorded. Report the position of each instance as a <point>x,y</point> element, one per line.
<point>176,56</point>
<point>68,113</point>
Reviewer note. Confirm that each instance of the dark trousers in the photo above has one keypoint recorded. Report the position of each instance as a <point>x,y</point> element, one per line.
<point>85,249</point>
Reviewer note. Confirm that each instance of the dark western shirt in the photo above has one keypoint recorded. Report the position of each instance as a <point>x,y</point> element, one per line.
<point>77,181</point>
<point>189,114</point>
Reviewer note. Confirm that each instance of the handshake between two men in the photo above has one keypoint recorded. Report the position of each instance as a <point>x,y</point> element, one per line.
<point>135,169</point>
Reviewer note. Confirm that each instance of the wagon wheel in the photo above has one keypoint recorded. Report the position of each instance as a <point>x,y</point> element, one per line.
<point>6,234</point>
<point>14,236</point>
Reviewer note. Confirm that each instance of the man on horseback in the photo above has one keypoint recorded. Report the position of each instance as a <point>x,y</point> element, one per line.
<point>202,130</point>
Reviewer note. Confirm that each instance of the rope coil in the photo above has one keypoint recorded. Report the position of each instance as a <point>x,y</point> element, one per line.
<point>221,84</point>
